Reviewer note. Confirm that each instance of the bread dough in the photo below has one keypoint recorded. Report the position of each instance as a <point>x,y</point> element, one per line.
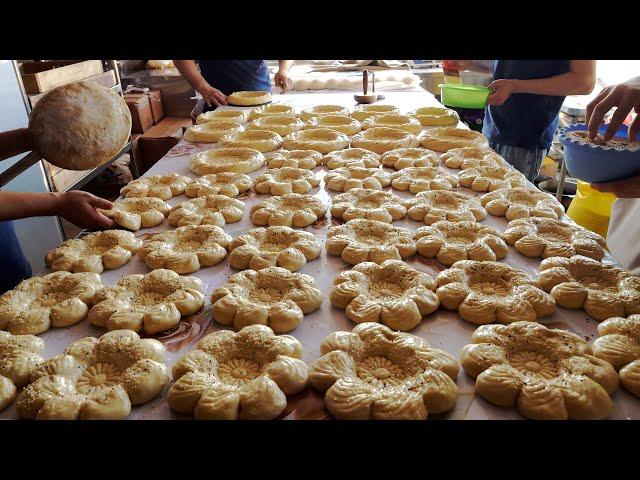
<point>212,131</point>
<point>488,179</point>
<point>249,98</point>
<point>308,159</point>
<point>383,139</point>
<point>243,375</point>
<point>80,125</point>
<point>435,205</point>
<point>238,116</point>
<point>277,246</point>
<point>228,184</point>
<point>215,210</point>
<point>546,374</point>
<point>471,157</point>
<point>342,123</point>
<point>19,356</point>
<point>280,124</point>
<point>362,112</point>
<point>323,140</point>
<point>420,179</point>
<point>361,240</point>
<point>161,186</point>
<point>368,203</point>
<point>58,299</point>
<point>449,242</point>
<point>290,210</point>
<point>308,113</point>
<point>276,109</point>
<point>186,249</point>
<point>602,290</point>
<point>279,181</point>
<point>400,122</point>
<point>136,213</point>
<point>436,116</point>
<point>271,296</point>
<point>392,293</point>
<point>410,157</point>
<point>492,292</point>
<point>374,373</point>
<point>513,203</point>
<point>618,343</point>
<point>345,178</point>
<point>152,303</point>
<point>352,157</point>
<point>96,379</point>
<point>545,237</point>
<point>442,139</point>
<point>261,140</point>
<point>94,252</point>
<point>237,160</point>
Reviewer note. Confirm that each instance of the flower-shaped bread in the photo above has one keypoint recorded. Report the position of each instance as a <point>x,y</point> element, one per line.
<point>513,203</point>
<point>58,299</point>
<point>186,249</point>
<point>277,246</point>
<point>375,373</point>
<point>136,213</point>
<point>368,203</point>
<point>280,124</point>
<point>470,157</point>
<point>435,205</point>
<point>391,120</point>
<point>363,240</point>
<point>208,210</point>
<point>449,242</point>
<point>261,140</point>
<point>243,375</point>
<point>421,179</point>
<point>345,178</point>
<point>602,290</point>
<point>362,112</point>
<point>392,293</point>
<point>546,374</point>
<point>410,157</point>
<point>151,303</point>
<point>341,123</point>
<point>94,252</point>
<point>546,237</point>
<point>619,344</point>
<point>309,113</point>
<point>96,379</point>
<point>271,296</point>
<point>383,139</point>
<point>161,186</point>
<point>228,184</point>
<point>492,292</point>
<point>488,179</point>
<point>19,356</point>
<point>279,181</point>
<point>290,210</point>
<point>323,140</point>
<point>238,160</point>
<point>352,157</point>
<point>308,159</point>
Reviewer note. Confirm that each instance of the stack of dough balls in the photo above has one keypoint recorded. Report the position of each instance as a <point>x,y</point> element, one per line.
<point>186,249</point>
<point>208,210</point>
<point>280,181</point>
<point>160,186</point>
<point>362,112</point>
<point>212,131</point>
<point>20,355</point>
<point>238,116</point>
<point>261,140</point>
<point>383,139</point>
<point>246,98</point>
<point>435,205</point>
<point>341,123</point>
<point>272,296</point>
<point>316,110</point>
<point>400,122</point>
<point>323,140</point>
<point>409,157</point>
<point>135,213</point>
<point>228,184</point>
<point>436,116</point>
<point>442,139</point>
<point>369,204</point>
<point>307,159</point>
<point>282,125</point>
<point>352,157</point>
<point>345,178</point>
<point>290,210</point>
<point>513,203</point>
<point>220,160</point>
<point>421,179</point>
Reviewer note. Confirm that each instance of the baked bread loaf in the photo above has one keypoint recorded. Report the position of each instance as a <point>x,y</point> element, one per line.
<point>383,139</point>
<point>400,122</point>
<point>228,184</point>
<point>136,213</point>
<point>342,123</point>
<point>249,98</point>
<point>290,210</point>
<point>488,179</point>
<point>279,181</point>
<point>374,373</point>
<point>513,203</point>
<point>316,110</point>
<point>345,178</point>
<point>261,140</point>
<point>471,157</point>
<point>410,157</point>
<point>362,112</point>
<point>160,186</point>
<point>420,179</point>
<point>435,205</point>
<point>280,124</point>
<point>237,160</point>
<point>442,139</point>
<point>20,355</point>
<point>352,157</point>
<point>369,204</point>
<point>215,210</point>
<point>436,116</point>
<point>308,159</point>
<point>238,116</point>
<point>277,109</point>
<point>80,125</point>
<point>212,131</point>
<point>323,140</point>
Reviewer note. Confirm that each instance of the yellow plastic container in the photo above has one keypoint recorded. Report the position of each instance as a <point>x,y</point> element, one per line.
<point>591,208</point>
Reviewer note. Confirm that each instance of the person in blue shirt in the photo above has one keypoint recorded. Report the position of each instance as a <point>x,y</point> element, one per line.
<point>219,78</point>
<point>76,206</point>
<point>522,112</point>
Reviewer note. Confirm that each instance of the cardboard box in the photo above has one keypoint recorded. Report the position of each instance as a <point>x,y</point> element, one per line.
<point>152,150</point>
<point>141,116</point>
<point>168,127</point>
<point>155,98</point>
<point>40,77</point>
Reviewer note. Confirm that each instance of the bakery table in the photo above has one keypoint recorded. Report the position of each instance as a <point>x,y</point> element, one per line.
<point>442,329</point>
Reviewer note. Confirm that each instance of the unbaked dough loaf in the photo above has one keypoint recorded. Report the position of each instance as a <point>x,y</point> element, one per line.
<point>212,131</point>
<point>164,186</point>
<point>215,210</point>
<point>519,202</point>
<point>352,157</point>
<point>488,179</point>
<point>20,355</point>
<point>410,157</point>
<point>249,98</point>
<point>439,116</point>
<point>308,159</point>
<point>362,112</point>
<point>345,178</point>
<point>323,140</point>
<point>278,109</point>
<point>136,213</point>
<point>261,140</point>
<point>401,122</point>
<point>368,203</point>
<point>290,210</point>
<point>238,160</point>
<point>434,205</point>
<point>470,157</point>
<point>341,123</point>
<point>279,181</point>
<point>281,124</point>
<point>238,116</point>
<point>383,139</point>
<point>421,179</point>
<point>228,184</point>
<point>442,139</point>
<point>316,110</point>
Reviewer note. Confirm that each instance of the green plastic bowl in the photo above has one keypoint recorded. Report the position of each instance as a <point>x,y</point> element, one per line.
<point>463,96</point>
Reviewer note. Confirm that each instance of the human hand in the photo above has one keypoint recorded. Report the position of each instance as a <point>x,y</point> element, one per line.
<point>80,209</point>
<point>625,96</point>
<point>283,81</point>
<point>212,96</point>
<point>627,188</point>
<point>501,91</point>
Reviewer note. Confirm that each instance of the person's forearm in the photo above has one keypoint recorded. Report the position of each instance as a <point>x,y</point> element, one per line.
<point>561,85</point>
<point>14,142</point>
<point>15,205</point>
<point>189,71</point>
<point>284,65</point>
